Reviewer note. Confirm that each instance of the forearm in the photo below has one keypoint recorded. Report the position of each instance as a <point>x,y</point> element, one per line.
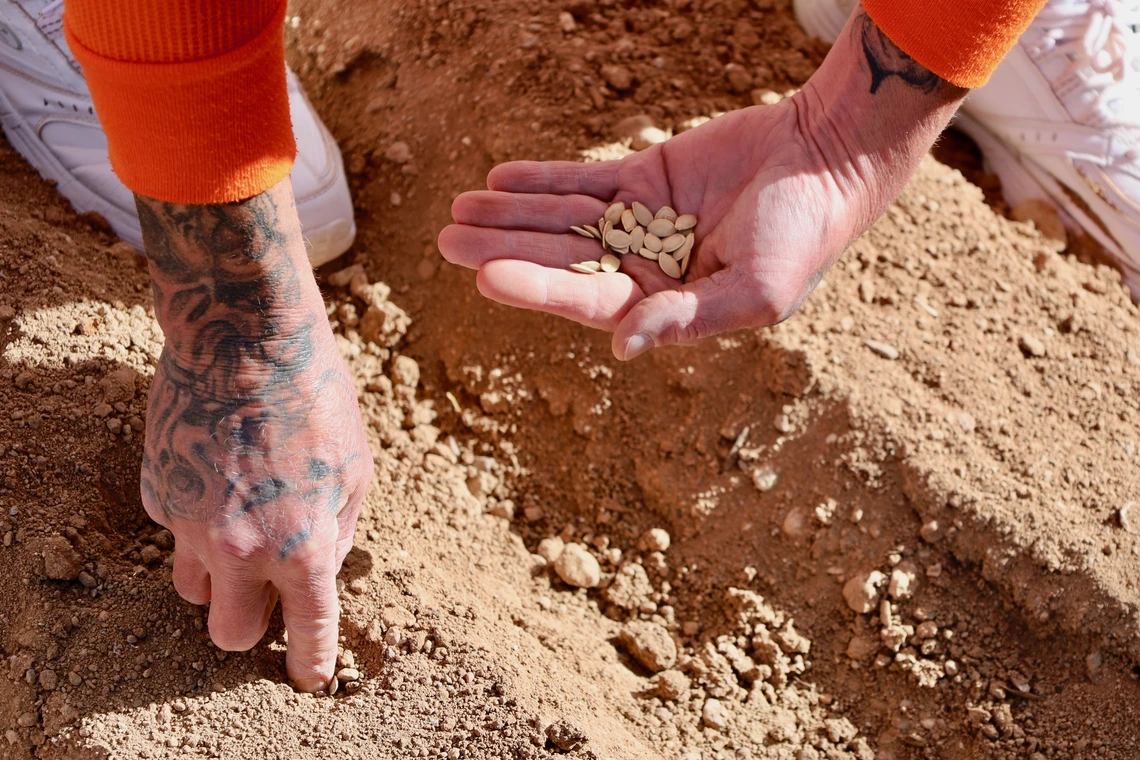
<point>873,113</point>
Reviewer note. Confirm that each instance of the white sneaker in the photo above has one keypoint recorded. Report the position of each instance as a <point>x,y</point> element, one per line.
<point>47,115</point>
<point>1059,119</point>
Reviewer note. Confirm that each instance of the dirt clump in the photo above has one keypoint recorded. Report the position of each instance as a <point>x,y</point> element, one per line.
<point>901,524</point>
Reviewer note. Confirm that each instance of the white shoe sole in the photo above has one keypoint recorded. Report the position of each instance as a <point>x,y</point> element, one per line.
<point>1022,180</point>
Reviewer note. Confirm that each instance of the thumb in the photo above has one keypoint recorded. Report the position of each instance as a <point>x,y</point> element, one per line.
<point>699,309</point>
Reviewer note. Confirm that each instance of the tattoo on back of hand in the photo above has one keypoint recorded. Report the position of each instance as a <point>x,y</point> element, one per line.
<point>886,60</point>
<point>221,424</point>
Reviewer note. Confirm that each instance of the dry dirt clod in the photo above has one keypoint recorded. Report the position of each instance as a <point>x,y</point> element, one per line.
<point>577,567</point>
<point>348,674</point>
<point>610,263</point>
<point>566,736</point>
<point>1031,346</point>
<point>714,714</point>
<point>671,684</point>
<point>655,540</point>
<point>650,644</point>
<point>61,563</point>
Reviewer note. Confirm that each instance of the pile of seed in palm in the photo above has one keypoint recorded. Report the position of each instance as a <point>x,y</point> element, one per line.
<point>663,237</point>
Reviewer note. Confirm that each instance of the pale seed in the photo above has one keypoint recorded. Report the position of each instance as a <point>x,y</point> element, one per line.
<point>685,263</point>
<point>686,248</point>
<point>594,232</point>
<point>651,255</point>
<point>622,249</point>
<point>614,212</point>
<point>610,263</point>
<point>582,231</point>
<point>685,222</point>
<point>673,242</point>
<point>333,686</point>
<point>607,227</point>
<point>652,242</point>
<point>666,213</point>
<point>586,267</point>
<point>670,267</point>
<point>602,225</point>
<point>662,228</point>
<point>642,213</point>
<point>636,239</point>
<point>617,239</point>
<point>628,220</point>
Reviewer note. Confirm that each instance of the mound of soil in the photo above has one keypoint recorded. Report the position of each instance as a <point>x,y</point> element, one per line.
<point>904,524</point>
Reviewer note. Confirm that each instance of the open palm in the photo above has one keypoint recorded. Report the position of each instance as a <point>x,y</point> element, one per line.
<point>772,217</point>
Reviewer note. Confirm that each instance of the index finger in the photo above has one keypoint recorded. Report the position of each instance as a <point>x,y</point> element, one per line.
<point>556,177</point>
<point>311,612</point>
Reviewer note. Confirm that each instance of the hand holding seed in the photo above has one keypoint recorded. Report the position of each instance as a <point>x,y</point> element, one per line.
<point>770,220</point>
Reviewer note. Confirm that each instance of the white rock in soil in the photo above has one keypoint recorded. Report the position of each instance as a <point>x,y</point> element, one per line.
<point>550,549</point>
<point>714,715</point>
<point>655,540</point>
<point>578,567</point>
<point>904,578</point>
<point>862,591</point>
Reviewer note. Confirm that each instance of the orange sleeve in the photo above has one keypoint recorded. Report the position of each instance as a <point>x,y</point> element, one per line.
<point>191,93</point>
<point>961,41</point>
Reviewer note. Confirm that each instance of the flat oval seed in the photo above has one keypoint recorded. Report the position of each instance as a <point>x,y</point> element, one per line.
<point>582,231</point>
<point>628,220</point>
<point>670,267</point>
<point>607,226</point>
<point>685,263</point>
<point>666,213</point>
<point>594,232</point>
<point>636,239</point>
<point>685,222</point>
<point>642,213</point>
<point>610,263</point>
<point>620,250</point>
<point>685,249</point>
<point>673,242</point>
<point>585,267</point>
<point>662,228</point>
<point>652,242</point>
<point>648,254</point>
<point>613,213</point>
<point>617,239</point>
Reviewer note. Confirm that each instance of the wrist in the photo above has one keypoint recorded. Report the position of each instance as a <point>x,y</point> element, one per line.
<point>871,113</point>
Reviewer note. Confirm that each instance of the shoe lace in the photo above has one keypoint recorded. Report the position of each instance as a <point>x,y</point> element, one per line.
<point>1098,40</point>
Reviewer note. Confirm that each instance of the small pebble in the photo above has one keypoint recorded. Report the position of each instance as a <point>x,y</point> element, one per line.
<point>714,714</point>
<point>885,350</point>
<point>577,567</point>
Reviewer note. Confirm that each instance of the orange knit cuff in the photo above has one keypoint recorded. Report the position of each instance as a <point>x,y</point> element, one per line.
<point>202,131</point>
<point>961,41</point>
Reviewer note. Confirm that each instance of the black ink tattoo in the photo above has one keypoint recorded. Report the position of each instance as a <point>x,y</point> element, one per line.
<point>886,60</point>
<point>227,400</point>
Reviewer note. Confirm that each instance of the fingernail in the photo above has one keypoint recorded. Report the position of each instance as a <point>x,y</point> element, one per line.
<point>311,685</point>
<point>637,345</point>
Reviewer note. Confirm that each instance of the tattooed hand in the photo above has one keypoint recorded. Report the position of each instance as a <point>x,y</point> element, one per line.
<point>780,192</point>
<point>255,455</point>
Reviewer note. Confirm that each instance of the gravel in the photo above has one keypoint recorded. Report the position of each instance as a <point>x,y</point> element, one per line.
<point>577,567</point>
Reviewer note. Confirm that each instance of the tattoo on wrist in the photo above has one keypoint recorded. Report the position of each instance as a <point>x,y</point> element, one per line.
<point>221,423</point>
<point>885,60</point>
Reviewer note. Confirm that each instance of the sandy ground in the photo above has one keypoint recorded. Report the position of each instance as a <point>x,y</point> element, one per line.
<point>809,545</point>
